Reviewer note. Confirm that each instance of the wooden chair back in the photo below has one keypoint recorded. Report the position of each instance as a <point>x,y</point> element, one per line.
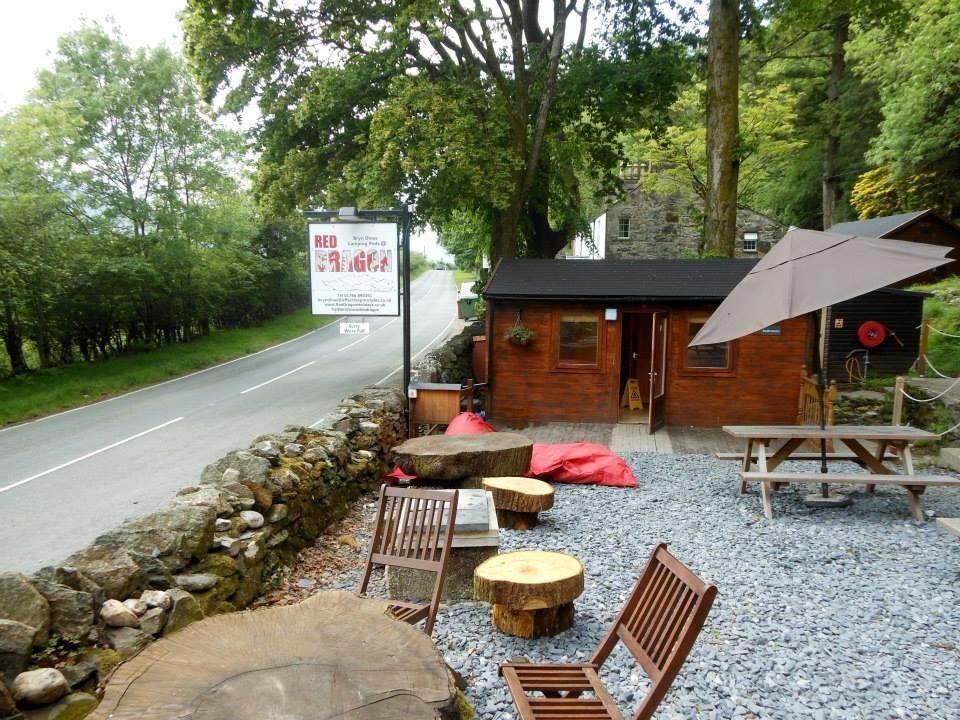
<point>413,529</point>
<point>659,623</point>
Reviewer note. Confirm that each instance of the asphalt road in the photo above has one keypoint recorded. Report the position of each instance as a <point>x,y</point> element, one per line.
<point>67,478</point>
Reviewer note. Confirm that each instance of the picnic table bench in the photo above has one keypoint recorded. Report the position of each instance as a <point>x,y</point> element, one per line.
<point>759,437</point>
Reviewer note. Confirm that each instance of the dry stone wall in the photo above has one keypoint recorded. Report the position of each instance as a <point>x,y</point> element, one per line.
<point>213,549</point>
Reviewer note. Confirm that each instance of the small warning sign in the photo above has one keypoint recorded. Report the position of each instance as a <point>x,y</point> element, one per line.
<point>631,395</point>
<point>354,328</point>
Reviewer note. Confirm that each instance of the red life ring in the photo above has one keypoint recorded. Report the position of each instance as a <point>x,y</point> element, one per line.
<point>871,333</point>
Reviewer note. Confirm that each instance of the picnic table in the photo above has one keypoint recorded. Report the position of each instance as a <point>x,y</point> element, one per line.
<point>758,439</point>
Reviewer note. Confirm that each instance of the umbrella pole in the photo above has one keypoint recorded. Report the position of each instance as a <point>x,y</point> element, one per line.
<point>824,498</point>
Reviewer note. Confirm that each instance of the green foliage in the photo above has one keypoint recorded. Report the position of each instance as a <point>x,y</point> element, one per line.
<point>123,221</point>
<point>942,311</point>
<point>519,334</point>
<point>418,265</point>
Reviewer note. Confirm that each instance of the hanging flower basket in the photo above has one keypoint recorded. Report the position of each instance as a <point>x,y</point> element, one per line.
<point>519,334</point>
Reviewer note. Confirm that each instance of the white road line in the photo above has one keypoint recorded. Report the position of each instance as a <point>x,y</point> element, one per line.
<point>418,353</point>
<point>332,323</point>
<point>278,377</point>
<point>90,455</point>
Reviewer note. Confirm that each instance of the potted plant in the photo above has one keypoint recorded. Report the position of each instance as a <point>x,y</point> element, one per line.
<point>519,334</point>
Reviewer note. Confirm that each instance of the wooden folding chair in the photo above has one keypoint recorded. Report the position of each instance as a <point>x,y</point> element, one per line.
<point>410,533</point>
<point>658,624</point>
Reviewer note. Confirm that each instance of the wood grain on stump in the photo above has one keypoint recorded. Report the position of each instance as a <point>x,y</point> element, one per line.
<point>518,500</point>
<point>332,656</point>
<point>454,457</point>
<point>530,591</point>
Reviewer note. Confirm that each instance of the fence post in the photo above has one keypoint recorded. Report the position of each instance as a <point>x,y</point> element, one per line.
<point>898,400</point>
<point>924,336</point>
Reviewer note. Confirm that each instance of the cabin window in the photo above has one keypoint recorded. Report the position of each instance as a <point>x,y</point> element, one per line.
<point>578,340</point>
<point>713,359</point>
<point>750,240</point>
<point>623,227</point>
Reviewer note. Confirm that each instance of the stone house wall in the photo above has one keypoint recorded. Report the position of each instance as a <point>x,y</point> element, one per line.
<point>214,549</point>
<point>671,226</point>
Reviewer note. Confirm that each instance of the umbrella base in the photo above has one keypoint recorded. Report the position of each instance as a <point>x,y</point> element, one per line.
<point>832,500</point>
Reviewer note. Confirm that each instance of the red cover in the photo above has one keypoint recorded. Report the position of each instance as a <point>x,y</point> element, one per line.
<point>580,462</point>
<point>396,475</point>
<point>468,423</point>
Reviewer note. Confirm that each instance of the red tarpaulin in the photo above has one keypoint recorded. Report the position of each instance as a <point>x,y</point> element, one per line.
<point>468,423</point>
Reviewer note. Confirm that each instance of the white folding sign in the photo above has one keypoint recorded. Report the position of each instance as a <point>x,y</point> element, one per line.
<point>354,328</point>
<point>354,269</point>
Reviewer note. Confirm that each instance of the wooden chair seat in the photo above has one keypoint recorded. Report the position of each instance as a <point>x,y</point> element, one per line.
<point>413,529</point>
<point>562,687</point>
<point>658,625</point>
<point>408,612</point>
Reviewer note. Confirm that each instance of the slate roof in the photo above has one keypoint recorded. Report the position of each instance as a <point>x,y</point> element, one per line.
<point>633,280</point>
<point>878,226</point>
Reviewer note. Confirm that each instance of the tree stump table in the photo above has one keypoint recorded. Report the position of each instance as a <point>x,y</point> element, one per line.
<point>518,500</point>
<point>334,655</point>
<point>455,457</point>
<point>532,591</point>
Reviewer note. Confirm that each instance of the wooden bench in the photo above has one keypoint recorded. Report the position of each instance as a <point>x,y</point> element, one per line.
<point>914,484</point>
<point>831,456</point>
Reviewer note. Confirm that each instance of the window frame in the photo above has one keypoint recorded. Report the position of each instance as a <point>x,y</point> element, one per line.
<point>566,366</point>
<point>620,220</point>
<point>755,239</point>
<point>730,370</point>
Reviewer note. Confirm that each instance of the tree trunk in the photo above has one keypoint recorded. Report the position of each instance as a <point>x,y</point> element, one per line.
<point>13,341</point>
<point>723,126</point>
<point>831,143</point>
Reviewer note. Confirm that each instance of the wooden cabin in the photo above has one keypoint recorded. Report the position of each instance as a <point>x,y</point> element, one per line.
<point>610,345</point>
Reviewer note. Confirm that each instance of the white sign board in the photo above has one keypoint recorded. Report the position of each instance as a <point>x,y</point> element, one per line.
<point>354,268</point>
<point>354,328</point>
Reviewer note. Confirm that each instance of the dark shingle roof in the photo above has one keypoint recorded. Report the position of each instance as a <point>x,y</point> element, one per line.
<point>642,280</point>
<point>878,226</point>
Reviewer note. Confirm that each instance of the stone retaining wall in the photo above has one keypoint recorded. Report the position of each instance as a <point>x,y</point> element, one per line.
<point>452,362</point>
<point>214,549</point>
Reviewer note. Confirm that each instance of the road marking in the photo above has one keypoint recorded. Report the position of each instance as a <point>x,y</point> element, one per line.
<point>418,353</point>
<point>278,377</point>
<point>332,323</point>
<point>90,455</point>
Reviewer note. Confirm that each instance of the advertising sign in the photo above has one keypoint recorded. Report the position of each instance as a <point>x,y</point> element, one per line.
<point>354,328</point>
<point>354,269</point>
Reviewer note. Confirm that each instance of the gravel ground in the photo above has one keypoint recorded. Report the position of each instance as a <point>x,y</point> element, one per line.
<point>844,613</point>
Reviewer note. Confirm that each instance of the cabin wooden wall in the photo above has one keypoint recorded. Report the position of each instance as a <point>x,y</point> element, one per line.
<point>526,388</point>
<point>763,389</point>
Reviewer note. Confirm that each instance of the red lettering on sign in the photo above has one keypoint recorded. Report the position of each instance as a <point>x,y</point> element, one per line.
<point>324,241</point>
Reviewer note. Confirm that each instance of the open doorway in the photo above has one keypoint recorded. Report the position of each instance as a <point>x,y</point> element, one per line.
<point>643,370</point>
<point>637,329</point>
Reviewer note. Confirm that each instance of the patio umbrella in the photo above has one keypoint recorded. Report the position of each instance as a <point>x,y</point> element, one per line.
<point>808,270</point>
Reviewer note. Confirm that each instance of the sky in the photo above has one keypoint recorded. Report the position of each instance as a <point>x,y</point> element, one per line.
<point>28,43</point>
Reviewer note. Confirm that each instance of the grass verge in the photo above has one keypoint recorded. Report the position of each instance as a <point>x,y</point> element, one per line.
<point>462,276</point>
<point>942,311</point>
<point>47,391</point>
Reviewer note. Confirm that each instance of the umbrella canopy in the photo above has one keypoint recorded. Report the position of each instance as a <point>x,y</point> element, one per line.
<point>808,270</point>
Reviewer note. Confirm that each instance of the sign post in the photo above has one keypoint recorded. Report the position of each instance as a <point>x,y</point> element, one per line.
<point>354,268</point>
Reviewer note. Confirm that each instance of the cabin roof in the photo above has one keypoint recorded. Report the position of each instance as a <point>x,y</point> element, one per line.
<point>878,226</point>
<point>625,280</point>
<point>650,280</point>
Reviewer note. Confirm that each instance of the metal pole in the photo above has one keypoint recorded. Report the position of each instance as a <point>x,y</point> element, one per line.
<point>405,224</point>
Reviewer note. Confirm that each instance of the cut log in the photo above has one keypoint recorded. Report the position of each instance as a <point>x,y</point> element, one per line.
<point>529,590</point>
<point>454,457</point>
<point>518,500</point>
<point>332,656</point>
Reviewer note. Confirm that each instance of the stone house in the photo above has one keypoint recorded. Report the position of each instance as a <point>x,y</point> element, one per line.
<point>648,225</point>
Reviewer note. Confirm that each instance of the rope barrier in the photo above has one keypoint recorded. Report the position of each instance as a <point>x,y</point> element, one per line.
<point>930,365</point>
<point>935,397</point>
<point>941,332</point>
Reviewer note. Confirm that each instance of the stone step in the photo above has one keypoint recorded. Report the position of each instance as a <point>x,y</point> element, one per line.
<point>950,458</point>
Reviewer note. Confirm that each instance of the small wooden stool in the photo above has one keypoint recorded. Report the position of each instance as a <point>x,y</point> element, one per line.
<point>518,500</point>
<point>532,591</point>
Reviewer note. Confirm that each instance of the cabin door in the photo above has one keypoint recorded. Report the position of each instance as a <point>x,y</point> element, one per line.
<point>658,373</point>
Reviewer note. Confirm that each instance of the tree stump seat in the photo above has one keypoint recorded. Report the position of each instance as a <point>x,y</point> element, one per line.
<point>519,500</point>
<point>532,591</point>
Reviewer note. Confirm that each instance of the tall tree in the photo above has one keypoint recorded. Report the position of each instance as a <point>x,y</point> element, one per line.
<point>723,126</point>
<point>452,105</point>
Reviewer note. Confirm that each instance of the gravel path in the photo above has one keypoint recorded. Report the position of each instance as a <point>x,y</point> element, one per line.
<point>847,613</point>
